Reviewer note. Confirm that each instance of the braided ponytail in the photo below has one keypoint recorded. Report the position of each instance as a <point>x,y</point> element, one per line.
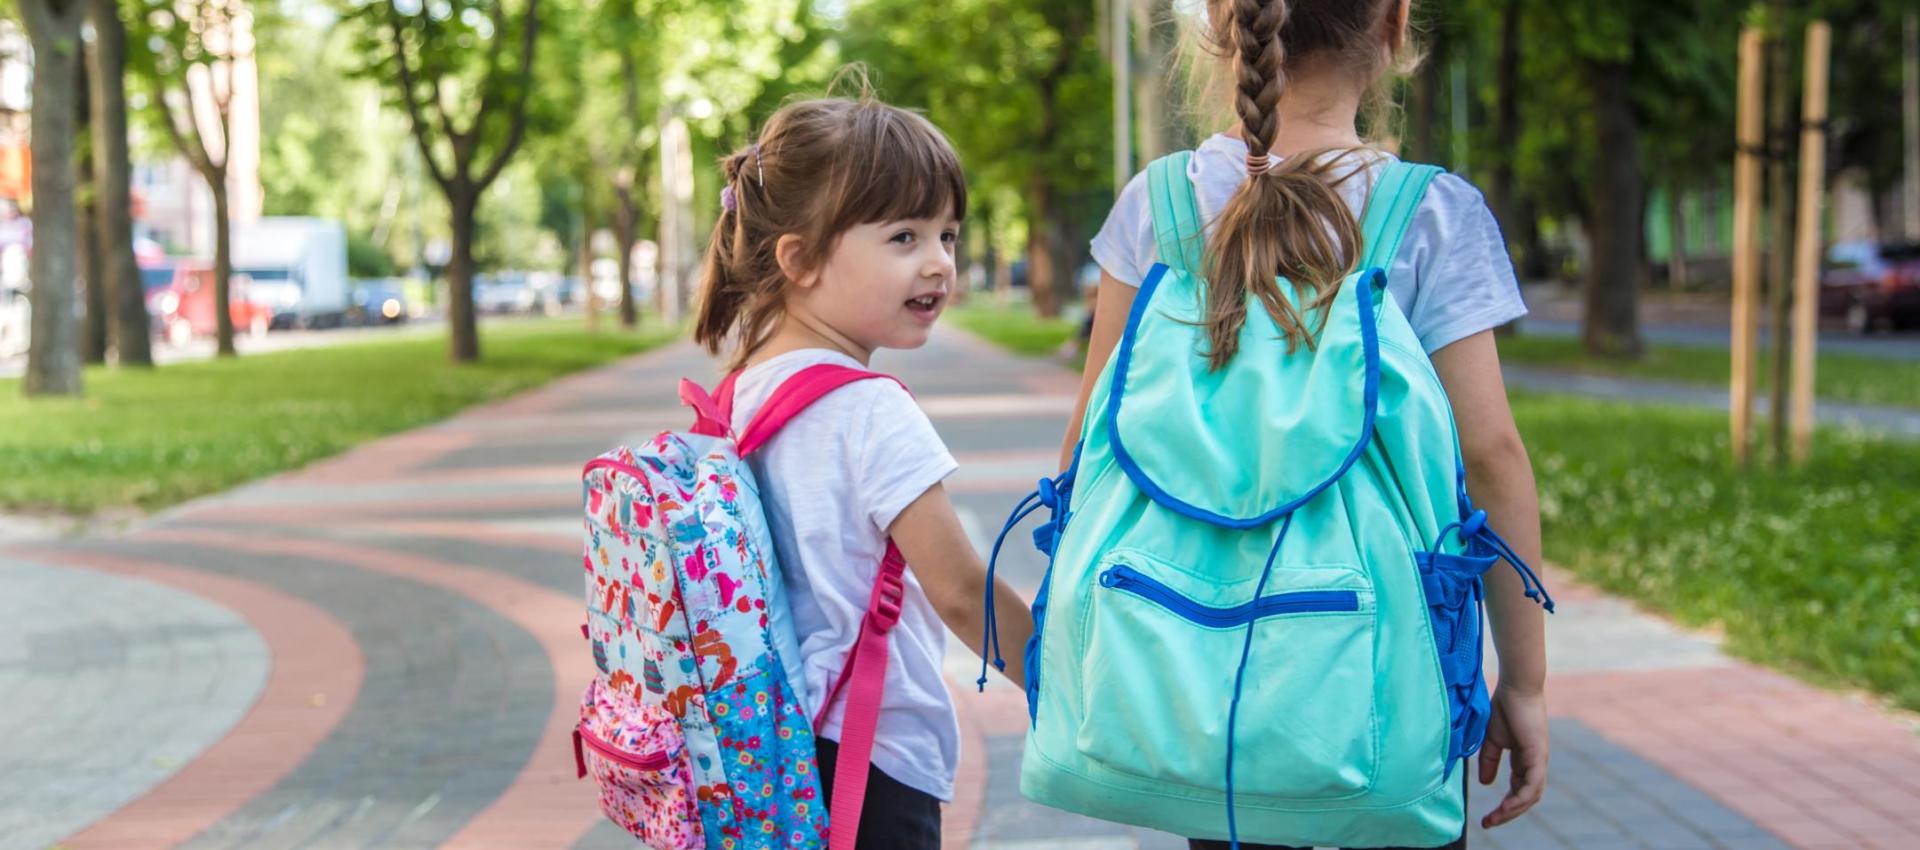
<point>1288,219</point>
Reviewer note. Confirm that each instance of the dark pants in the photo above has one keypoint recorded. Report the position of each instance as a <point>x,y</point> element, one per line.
<point>894,816</point>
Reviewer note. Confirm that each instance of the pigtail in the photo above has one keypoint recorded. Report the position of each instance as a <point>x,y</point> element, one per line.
<point>724,295</point>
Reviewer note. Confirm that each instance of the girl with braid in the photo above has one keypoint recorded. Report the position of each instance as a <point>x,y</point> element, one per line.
<point>1279,194</point>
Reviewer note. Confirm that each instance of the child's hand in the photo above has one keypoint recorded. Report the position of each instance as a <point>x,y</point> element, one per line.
<point>1518,726</point>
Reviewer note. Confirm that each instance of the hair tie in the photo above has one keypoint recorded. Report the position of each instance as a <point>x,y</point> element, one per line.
<point>1259,164</point>
<point>727,201</point>
<point>760,168</point>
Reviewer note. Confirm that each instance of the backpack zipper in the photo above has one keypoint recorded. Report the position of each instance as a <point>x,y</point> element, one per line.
<point>1125,578</point>
<point>657,760</point>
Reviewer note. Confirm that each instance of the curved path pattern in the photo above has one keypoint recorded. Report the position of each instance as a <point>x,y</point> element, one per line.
<point>382,651</point>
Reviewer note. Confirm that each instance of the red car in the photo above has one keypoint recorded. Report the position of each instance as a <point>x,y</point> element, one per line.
<point>182,306</point>
<point>1872,287</point>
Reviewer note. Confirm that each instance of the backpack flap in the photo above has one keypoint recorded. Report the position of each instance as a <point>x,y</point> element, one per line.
<point>1181,431</point>
<point>1186,435</point>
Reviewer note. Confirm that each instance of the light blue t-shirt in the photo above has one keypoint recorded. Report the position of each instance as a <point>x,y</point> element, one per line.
<point>1452,277</point>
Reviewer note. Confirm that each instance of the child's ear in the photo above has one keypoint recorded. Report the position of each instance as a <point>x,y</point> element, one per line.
<point>1396,23</point>
<point>790,252</point>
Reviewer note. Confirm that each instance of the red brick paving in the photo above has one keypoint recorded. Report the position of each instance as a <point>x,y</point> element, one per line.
<point>315,676</point>
<point>544,807</point>
<point>1817,768</point>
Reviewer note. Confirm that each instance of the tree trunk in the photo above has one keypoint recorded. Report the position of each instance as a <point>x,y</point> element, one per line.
<point>465,334</point>
<point>1782,127</point>
<point>1423,144</point>
<point>1677,238</point>
<point>113,219</point>
<point>592,302</point>
<point>53,352</point>
<point>94,331</point>
<point>94,335</point>
<point>1506,119</point>
<point>991,256</point>
<point>626,223</point>
<point>222,265</point>
<point>1042,249</point>
<point>1611,326</point>
<point>1533,262</point>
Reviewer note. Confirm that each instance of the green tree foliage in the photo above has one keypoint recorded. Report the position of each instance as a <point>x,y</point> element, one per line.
<point>462,72</point>
<point>1022,89</point>
<point>189,64</point>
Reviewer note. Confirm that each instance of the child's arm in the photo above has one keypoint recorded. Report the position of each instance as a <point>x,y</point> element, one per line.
<point>1501,480</point>
<point>1114,305</point>
<point>929,534</point>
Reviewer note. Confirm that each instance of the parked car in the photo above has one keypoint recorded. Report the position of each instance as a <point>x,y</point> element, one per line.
<point>507,292</point>
<point>183,308</point>
<point>1872,286</point>
<point>376,302</point>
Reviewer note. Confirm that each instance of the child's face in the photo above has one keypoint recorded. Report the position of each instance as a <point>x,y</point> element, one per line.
<point>885,283</point>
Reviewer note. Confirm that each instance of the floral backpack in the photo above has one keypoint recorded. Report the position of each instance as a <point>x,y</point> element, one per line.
<point>693,727</point>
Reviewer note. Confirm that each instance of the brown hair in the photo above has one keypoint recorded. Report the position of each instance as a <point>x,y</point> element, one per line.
<point>1287,220</point>
<point>821,167</point>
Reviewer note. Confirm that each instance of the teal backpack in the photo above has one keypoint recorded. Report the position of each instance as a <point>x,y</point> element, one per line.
<point>1262,612</point>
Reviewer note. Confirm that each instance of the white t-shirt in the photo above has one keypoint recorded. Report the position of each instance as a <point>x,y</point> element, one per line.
<point>1452,276</point>
<point>832,482</point>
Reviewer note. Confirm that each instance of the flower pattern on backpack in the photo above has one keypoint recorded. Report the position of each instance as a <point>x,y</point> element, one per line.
<point>680,584</point>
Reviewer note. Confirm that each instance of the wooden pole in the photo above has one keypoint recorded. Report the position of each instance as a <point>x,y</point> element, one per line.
<point>1746,252</point>
<point>1813,182</point>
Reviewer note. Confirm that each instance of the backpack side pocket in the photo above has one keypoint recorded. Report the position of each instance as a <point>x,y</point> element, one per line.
<point>638,757</point>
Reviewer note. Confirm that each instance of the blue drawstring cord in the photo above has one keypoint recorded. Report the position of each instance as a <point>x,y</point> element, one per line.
<point>1474,530</point>
<point>1239,677</point>
<point>990,636</point>
<point>1050,493</point>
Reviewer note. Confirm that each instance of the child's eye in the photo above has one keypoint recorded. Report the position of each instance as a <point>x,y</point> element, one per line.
<point>949,237</point>
<point>903,237</point>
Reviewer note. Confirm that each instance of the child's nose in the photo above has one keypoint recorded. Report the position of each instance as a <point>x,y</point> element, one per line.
<point>940,265</point>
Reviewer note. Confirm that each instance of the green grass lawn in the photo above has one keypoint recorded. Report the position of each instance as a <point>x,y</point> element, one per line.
<point>1015,327</point>
<point>1839,377</point>
<point>1812,570</point>
<point>151,439</point>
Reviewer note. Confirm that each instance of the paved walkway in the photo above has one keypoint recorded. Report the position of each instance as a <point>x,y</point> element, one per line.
<point>381,651</point>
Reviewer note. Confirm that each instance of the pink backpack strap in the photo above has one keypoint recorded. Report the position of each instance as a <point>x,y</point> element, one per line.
<point>793,396</point>
<point>708,418</point>
<point>862,680</point>
<point>723,394</point>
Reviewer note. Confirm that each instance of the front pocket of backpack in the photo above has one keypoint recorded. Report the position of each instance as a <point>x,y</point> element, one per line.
<point>1158,672</point>
<point>638,757</point>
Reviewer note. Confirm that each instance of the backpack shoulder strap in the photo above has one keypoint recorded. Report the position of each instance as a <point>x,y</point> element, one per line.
<point>788,400</point>
<point>1176,215</point>
<point>862,680</point>
<point>1390,210</point>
